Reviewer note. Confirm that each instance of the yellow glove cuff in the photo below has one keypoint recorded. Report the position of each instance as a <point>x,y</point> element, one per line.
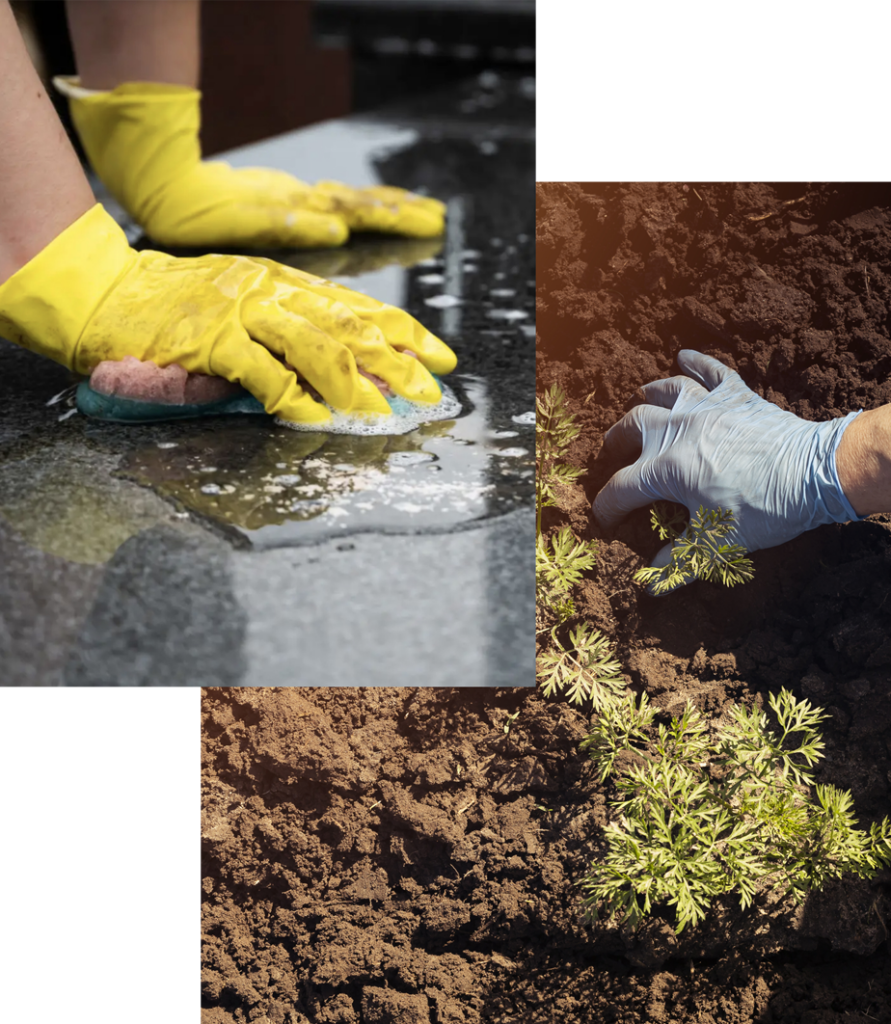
<point>47,304</point>
<point>139,137</point>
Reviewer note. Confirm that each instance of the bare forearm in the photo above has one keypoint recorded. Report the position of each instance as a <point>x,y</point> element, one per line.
<point>863,462</point>
<point>118,41</point>
<point>43,189</point>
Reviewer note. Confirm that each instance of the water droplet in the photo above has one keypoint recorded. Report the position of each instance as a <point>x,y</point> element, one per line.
<point>507,314</point>
<point>443,301</point>
<point>410,458</point>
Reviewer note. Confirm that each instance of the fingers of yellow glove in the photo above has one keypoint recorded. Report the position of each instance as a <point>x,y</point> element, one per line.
<point>239,359</point>
<point>404,332</point>
<point>413,215</point>
<point>283,186</point>
<point>230,224</point>
<point>216,205</point>
<point>384,208</point>
<point>312,230</point>
<point>389,193</point>
<point>408,377</point>
<point>328,365</point>
<point>348,315</point>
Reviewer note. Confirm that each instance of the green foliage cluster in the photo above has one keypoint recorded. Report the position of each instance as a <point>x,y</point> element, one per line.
<point>587,670</point>
<point>700,551</point>
<point>700,817</point>
<point>561,559</point>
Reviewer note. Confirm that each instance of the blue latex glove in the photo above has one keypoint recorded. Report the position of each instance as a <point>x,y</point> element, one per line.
<point>707,439</point>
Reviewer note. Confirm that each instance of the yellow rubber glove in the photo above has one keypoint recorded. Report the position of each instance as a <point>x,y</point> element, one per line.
<point>88,297</point>
<point>142,140</point>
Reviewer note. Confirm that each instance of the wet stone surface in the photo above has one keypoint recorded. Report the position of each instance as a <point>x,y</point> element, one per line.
<point>281,487</point>
<point>139,551</point>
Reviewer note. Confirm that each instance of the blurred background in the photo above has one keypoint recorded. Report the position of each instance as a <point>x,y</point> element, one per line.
<point>310,60</point>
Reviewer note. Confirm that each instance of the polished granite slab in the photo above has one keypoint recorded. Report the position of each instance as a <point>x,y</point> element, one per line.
<point>235,552</point>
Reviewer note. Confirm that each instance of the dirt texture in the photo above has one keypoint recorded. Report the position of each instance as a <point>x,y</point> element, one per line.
<point>790,284</point>
<point>394,855</point>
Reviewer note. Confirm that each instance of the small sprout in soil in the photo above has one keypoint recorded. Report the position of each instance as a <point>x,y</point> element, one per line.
<point>586,670</point>
<point>509,722</point>
<point>699,552</point>
<point>699,817</point>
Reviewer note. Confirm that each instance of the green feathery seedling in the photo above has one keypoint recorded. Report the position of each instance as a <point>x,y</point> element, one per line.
<point>559,564</point>
<point>699,552</point>
<point>561,559</point>
<point>587,670</point>
<point>699,818</point>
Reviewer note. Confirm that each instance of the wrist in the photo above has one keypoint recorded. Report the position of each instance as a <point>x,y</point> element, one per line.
<point>863,462</point>
<point>45,305</point>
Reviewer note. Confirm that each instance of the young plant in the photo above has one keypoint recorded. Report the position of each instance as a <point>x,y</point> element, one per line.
<point>701,551</point>
<point>559,563</point>
<point>555,430</point>
<point>586,670</point>
<point>559,560</point>
<point>700,817</point>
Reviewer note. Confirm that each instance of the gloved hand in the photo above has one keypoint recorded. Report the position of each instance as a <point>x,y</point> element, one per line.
<point>88,297</point>
<point>707,439</point>
<point>142,141</point>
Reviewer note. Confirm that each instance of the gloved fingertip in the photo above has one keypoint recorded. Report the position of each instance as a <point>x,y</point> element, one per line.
<point>708,371</point>
<point>663,558</point>
<point>417,222</point>
<point>301,409</point>
<point>368,399</point>
<point>436,355</point>
<point>316,230</point>
<point>602,517</point>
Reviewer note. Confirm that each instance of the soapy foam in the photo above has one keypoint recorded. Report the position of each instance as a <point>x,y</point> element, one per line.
<point>406,417</point>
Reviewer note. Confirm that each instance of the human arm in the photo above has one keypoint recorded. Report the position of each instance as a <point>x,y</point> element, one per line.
<point>863,461</point>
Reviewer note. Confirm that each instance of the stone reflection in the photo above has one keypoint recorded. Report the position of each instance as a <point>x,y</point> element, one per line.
<point>252,477</point>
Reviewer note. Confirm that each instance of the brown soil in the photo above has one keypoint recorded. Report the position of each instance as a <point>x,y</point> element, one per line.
<point>790,285</point>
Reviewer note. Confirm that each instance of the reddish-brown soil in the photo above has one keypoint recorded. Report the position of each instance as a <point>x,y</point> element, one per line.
<point>790,285</point>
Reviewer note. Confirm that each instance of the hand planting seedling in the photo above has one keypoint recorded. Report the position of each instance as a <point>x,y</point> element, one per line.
<point>560,560</point>
<point>699,551</point>
<point>699,817</point>
<point>706,440</point>
<point>587,670</point>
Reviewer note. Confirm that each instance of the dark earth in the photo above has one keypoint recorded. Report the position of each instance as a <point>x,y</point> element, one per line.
<point>790,284</point>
